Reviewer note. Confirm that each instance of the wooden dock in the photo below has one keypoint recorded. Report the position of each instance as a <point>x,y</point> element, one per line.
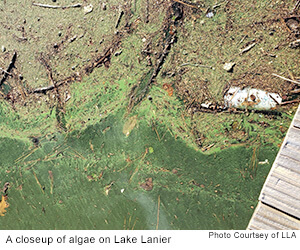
<point>279,200</point>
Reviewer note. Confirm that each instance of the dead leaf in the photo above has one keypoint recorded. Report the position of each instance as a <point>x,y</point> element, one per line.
<point>148,185</point>
<point>3,205</point>
<point>168,88</point>
<point>174,171</point>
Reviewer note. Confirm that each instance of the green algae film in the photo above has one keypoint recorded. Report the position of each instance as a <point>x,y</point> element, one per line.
<point>97,176</point>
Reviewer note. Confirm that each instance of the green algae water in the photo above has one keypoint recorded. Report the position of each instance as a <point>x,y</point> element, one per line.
<point>92,179</point>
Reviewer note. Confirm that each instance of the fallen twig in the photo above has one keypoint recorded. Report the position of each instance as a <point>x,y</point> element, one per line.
<point>43,89</point>
<point>77,5</point>
<point>219,4</point>
<point>245,36</point>
<point>20,39</point>
<point>103,59</point>
<point>187,4</point>
<point>266,53</point>
<point>121,13</point>
<point>50,87</point>
<point>237,111</point>
<point>297,4</point>
<point>9,68</point>
<point>295,44</point>
<point>196,65</point>
<point>37,181</point>
<point>207,147</point>
<point>290,102</point>
<point>242,51</point>
<point>147,12</point>
<point>295,91</point>
<point>284,78</point>
<point>3,70</point>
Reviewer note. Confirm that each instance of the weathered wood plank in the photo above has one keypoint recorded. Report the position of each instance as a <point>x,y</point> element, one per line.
<point>279,206</point>
<point>293,135</point>
<point>291,150</point>
<point>288,163</point>
<point>268,218</point>
<point>286,174</point>
<point>297,122</point>
<point>282,195</point>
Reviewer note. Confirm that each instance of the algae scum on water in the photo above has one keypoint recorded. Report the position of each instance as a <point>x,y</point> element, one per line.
<point>93,179</point>
<point>101,123</point>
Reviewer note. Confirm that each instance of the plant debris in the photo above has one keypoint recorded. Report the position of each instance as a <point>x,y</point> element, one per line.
<point>9,68</point>
<point>78,5</point>
<point>3,205</point>
<point>147,185</point>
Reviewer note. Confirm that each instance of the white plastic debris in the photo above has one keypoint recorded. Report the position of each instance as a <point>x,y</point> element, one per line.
<point>205,105</point>
<point>88,9</point>
<point>229,66</point>
<point>266,161</point>
<point>251,98</point>
<point>122,190</point>
<point>210,14</point>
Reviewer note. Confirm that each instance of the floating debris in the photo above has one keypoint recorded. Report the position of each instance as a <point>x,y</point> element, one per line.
<point>209,14</point>
<point>118,53</point>
<point>72,39</point>
<point>88,9</point>
<point>266,161</point>
<point>206,105</point>
<point>292,23</point>
<point>242,51</point>
<point>251,98</point>
<point>295,44</point>
<point>229,66</point>
<point>5,188</point>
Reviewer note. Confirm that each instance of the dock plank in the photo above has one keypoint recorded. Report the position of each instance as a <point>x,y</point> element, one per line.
<point>268,218</point>
<point>279,200</point>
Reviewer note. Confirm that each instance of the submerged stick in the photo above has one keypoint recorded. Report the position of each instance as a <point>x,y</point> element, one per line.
<point>37,181</point>
<point>51,181</point>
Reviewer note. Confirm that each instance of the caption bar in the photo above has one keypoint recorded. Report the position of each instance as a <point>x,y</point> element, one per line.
<point>79,240</point>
